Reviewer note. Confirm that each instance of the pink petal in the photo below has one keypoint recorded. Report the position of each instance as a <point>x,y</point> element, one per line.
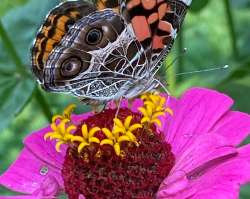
<point>49,187</point>
<point>28,174</point>
<point>167,118</point>
<point>206,152</point>
<point>234,126</point>
<point>224,181</point>
<point>245,152</point>
<point>18,197</point>
<point>81,197</point>
<point>174,184</point>
<point>79,118</point>
<point>205,148</point>
<point>45,149</point>
<point>195,114</point>
<point>218,177</point>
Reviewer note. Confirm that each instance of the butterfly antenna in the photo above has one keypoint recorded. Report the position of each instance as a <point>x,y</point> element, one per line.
<point>176,58</point>
<point>203,70</point>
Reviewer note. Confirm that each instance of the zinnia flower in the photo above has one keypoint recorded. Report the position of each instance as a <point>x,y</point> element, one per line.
<point>188,149</point>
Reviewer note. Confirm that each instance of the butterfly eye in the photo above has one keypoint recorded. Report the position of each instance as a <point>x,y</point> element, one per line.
<point>94,36</point>
<point>71,67</point>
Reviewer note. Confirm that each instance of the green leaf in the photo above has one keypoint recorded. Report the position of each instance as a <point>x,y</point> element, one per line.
<point>245,192</point>
<point>6,5</point>
<point>198,5</point>
<point>18,29</point>
<point>241,71</point>
<point>243,4</point>
<point>14,93</point>
<point>239,91</point>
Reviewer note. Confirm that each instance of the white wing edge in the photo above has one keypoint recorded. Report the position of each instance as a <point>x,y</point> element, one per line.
<point>187,2</point>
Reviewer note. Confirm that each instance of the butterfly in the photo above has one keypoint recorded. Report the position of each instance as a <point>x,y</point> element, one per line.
<point>108,49</point>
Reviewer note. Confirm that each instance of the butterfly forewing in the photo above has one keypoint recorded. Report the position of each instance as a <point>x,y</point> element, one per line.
<point>156,24</point>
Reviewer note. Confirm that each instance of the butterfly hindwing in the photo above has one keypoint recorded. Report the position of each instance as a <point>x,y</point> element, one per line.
<point>55,26</point>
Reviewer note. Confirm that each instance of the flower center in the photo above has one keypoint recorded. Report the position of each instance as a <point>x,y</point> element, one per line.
<point>131,163</point>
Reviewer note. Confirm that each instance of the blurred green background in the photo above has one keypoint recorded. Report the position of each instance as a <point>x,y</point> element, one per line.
<point>216,33</point>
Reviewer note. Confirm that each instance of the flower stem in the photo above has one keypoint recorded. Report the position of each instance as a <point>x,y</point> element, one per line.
<point>12,51</point>
<point>231,29</point>
<point>43,103</point>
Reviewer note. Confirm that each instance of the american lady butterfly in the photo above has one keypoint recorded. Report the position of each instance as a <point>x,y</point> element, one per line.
<point>108,49</point>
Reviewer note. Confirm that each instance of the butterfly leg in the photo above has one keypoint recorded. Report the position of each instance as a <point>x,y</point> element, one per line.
<point>130,101</point>
<point>118,106</point>
<point>164,88</point>
<point>96,106</point>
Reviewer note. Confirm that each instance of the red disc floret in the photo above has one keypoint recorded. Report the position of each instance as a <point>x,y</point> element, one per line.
<point>136,175</point>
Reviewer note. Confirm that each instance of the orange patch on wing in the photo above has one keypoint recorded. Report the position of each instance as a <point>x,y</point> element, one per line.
<point>165,26</point>
<point>141,27</point>
<point>133,3</point>
<point>61,22</point>
<point>45,57</point>
<point>148,4</point>
<point>153,18</point>
<point>117,9</point>
<point>162,9</point>
<point>157,42</point>
<point>58,35</point>
<point>74,14</point>
<point>49,45</point>
<point>100,5</point>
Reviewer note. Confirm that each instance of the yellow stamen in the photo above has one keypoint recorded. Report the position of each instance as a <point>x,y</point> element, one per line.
<point>127,122</point>
<point>107,141</point>
<point>134,127</point>
<point>153,108</point>
<point>66,113</point>
<point>61,131</point>
<point>87,137</point>
<point>120,133</point>
<point>170,111</point>
<point>58,145</point>
<point>82,146</point>
<point>117,149</point>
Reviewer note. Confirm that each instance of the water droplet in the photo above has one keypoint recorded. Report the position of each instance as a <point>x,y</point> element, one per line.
<point>44,170</point>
